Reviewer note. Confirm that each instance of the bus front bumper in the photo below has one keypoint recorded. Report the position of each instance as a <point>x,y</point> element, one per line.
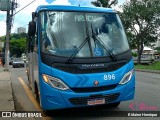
<point>52,98</point>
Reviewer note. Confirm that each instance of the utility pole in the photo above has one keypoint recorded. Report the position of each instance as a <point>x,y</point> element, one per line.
<point>7,41</point>
<point>8,22</point>
<point>11,6</point>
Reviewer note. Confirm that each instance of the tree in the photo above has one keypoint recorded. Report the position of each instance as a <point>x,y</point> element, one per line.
<point>17,47</point>
<point>17,43</point>
<point>15,36</point>
<point>158,49</point>
<point>22,35</point>
<point>141,19</point>
<point>104,3</point>
<point>18,36</point>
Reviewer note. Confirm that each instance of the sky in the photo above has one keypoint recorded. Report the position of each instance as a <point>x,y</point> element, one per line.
<point>22,18</point>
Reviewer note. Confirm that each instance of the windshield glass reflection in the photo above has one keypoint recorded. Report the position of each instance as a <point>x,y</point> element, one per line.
<point>64,32</point>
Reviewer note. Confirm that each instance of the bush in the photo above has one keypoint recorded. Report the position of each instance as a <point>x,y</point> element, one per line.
<point>134,54</point>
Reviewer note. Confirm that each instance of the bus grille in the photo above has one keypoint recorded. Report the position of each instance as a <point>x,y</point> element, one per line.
<point>84,100</point>
<point>76,70</point>
<point>93,89</point>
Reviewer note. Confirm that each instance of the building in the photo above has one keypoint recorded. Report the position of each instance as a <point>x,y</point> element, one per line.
<point>21,30</point>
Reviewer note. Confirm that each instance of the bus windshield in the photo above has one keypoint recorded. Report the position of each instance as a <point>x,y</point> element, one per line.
<point>89,34</point>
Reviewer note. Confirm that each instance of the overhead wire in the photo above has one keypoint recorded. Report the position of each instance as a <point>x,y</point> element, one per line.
<point>15,12</point>
<point>24,7</point>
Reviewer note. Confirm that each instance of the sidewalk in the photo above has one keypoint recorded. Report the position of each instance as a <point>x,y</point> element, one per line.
<point>6,95</point>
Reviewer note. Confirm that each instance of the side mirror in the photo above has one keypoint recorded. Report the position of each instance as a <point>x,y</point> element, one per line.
<point>31,35</point>
<point>32,28</point>
<point>33,15</point>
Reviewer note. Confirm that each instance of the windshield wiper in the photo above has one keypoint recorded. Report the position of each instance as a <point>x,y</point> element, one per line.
<point>96,38</point>
<point>77,50</point>
<point>82,44</point>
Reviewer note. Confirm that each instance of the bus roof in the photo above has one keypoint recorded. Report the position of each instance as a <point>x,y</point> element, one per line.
<point>74,8</point>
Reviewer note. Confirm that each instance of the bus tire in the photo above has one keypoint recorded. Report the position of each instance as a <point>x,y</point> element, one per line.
<point>114,105</point>
<point>46,112</point>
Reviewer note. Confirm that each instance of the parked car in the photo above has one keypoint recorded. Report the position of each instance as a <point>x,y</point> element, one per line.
<point>18,62</point>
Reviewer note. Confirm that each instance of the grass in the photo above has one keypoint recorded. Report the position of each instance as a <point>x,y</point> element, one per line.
<point>154,66</point>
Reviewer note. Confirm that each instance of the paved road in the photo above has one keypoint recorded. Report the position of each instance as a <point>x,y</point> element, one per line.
<point>147,98</point>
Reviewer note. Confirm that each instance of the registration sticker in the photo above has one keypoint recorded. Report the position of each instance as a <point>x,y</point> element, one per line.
<point>98,101</point>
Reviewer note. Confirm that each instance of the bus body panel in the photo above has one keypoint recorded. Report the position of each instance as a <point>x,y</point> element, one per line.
<point>86,80</point>
<point>30,71</point>
<point>52,98</point>
<point>74,8</point>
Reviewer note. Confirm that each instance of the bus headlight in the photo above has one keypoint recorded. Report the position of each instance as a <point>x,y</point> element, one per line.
<point>127,77</point>
<point>55,82</point>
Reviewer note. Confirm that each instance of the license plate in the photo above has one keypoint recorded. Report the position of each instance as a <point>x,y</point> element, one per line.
<point>96,101</point>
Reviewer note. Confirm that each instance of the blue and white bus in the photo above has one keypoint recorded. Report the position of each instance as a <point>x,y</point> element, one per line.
<point>77,57</point>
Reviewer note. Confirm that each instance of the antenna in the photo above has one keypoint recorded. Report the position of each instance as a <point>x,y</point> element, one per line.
<point>79,1</point>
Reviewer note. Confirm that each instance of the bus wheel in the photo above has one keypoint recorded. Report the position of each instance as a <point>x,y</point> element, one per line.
<point>46,112</point>
<point>114,105</point>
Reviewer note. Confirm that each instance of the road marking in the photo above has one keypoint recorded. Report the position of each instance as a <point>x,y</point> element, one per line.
<point>31,97</point>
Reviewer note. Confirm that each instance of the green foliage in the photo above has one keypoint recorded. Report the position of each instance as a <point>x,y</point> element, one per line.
<point>141,19</point>
<point>17,47</point>
<point>2,38</point>
<point>134,54</point>
<point>154,66</point>
<point>158,49</point>
<point>14,36</point>
<point>17,44</point>
<point>18,36</point>
<point>104,3</point>
<point>131,40</point>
